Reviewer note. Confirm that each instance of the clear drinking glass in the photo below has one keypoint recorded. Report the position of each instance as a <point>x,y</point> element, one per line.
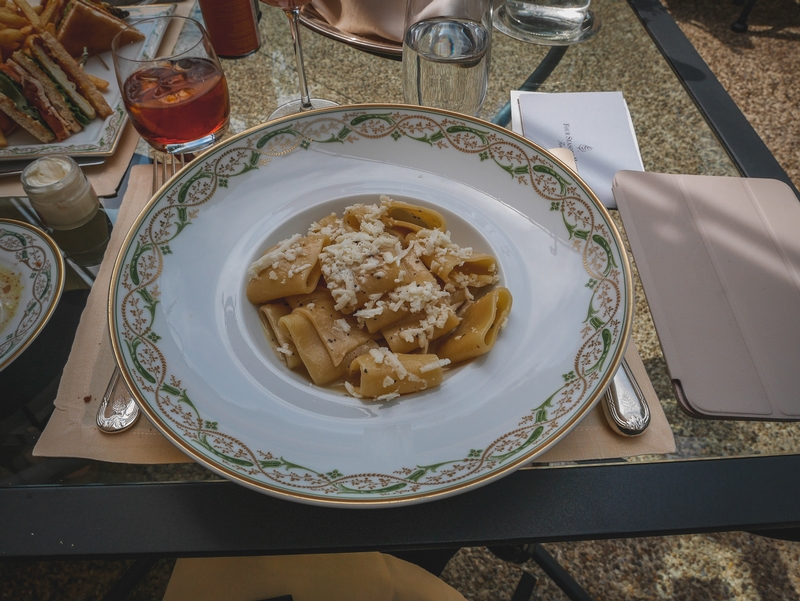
<point>178,102</point>
<point>305,102</point>
<point>547,22</point>
<point>446,53</point>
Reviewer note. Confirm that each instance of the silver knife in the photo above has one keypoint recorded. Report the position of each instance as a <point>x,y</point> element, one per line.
<point>17,166</point>
<point>624,403</point>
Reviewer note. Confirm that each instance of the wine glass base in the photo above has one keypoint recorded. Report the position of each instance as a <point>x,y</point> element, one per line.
<point>535,32</point>
<point>296,106</point>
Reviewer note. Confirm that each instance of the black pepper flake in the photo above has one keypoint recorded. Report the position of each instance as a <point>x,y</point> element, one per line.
<point>87,398</point>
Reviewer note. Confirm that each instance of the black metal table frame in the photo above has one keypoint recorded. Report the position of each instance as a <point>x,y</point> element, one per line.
<point>546,504</point>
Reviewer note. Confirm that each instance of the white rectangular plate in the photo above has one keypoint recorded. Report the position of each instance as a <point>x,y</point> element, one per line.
<point>100,137</point>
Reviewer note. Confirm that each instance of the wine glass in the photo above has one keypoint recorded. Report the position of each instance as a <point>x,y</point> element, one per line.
<point>178,102</point>
<point>305,103</point>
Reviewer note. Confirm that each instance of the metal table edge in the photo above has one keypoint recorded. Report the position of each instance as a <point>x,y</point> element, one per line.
<point>543,505</point>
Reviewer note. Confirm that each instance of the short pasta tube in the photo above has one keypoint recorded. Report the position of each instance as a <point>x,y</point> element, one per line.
<point>386,310</point>
<point>381,374</point>
<point>313,352</point>
<point>477,332</point>
<point>280,339</point>
<point>404,218</point>
<point>291,267</point>
<point>339,333</point>
<point>476,271</point>
<point>416,331</point>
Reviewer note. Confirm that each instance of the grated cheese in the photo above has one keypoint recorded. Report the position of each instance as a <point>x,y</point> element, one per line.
<point>287,249</point>
<point>433,365</point>
<point>284,348</point>
<point>352,390</point>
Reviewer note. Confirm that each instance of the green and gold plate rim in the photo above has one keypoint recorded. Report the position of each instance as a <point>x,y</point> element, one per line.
<point>43,305</point>
<point>198,446</point>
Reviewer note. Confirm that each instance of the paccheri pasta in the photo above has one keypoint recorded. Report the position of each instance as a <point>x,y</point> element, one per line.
<point>380,299</point>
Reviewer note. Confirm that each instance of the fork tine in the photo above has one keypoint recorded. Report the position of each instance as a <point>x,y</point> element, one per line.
<point>166,166</point>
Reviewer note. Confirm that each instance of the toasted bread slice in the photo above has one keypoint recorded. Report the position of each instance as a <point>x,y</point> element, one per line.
<point>38,51</point>
<point>86,25</point>
<point>76,74</point>
<point>16,106</point>
<point>34,92</point>
<point>55,97</point>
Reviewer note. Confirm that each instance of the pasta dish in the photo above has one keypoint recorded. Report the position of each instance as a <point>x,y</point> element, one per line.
<point>380,299</point>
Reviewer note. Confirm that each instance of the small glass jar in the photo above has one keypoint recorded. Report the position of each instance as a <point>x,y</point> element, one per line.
<point>59,192</point>
<point>68,205</point>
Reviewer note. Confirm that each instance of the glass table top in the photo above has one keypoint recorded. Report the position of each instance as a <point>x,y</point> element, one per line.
<point>673,138</point>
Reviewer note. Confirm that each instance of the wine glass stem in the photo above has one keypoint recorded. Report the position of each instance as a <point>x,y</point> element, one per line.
<point>294,17</point>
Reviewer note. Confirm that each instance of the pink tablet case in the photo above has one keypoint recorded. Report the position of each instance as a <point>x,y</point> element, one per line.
<point>719,260</point>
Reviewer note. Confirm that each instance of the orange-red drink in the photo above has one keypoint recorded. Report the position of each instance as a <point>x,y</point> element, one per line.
<point>175,102</point>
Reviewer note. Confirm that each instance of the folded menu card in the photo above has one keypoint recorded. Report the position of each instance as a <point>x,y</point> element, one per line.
<point>719,260</point>
<point>595,126</point>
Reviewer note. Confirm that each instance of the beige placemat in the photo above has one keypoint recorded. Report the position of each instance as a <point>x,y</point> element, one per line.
<point>329,577</point>
<point>105,178</point>
<point>71,431</point>
<point>593,438</point>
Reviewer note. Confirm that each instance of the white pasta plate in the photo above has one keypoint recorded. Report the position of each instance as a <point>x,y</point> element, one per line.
<point>193,352</point>
<point>100,137</point>
<point>31,281</point>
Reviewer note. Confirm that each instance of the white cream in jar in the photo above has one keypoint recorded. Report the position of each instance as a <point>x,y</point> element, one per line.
<point>60,192</point>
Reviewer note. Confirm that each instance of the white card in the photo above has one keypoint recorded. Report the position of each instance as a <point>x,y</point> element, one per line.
<point>595,126</point>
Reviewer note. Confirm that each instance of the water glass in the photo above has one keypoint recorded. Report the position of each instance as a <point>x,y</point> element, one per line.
<point>548,22</point>
<point>446,53</point>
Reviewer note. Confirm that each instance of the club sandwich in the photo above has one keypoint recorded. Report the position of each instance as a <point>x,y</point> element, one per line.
<point>92,26</point>
<point>45,91</point>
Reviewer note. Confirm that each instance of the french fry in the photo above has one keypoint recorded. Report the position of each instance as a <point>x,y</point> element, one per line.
<point>13,19</point>
<point>3,141</point>
<point>100,83</point>
<point>11,36</point>
<point>51,28</point>
<point>49,11</point>
<point>30,14</point>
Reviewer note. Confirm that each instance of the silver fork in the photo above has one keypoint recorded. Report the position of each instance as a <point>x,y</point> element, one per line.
<point>124,410</point>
